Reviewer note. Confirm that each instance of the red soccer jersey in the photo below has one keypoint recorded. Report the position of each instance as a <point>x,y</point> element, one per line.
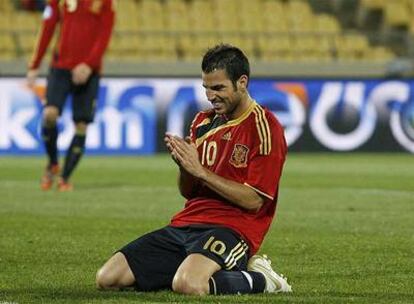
<point>250,150</point>
<point>85,30</point>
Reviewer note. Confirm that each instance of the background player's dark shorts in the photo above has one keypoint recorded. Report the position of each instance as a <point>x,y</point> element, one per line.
<point>154,258</point>
<point>59,86</point>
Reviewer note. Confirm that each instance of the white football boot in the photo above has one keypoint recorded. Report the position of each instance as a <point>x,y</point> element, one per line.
<point>274,283</point>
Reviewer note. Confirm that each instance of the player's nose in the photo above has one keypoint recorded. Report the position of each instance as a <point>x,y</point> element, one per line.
<point>211,96</point>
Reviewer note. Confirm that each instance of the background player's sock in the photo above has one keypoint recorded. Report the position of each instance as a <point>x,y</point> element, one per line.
<point>236,282</point>
<point>49,136</point>
<point>74,154</point>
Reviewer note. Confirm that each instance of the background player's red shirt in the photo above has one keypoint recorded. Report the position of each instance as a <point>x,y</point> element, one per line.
<point>85,30</point>
<point>250,150</point>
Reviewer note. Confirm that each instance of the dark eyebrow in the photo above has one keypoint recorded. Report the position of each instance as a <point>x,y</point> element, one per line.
<point>215,87</point>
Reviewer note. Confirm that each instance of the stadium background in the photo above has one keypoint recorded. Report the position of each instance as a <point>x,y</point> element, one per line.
<point>336,73</point>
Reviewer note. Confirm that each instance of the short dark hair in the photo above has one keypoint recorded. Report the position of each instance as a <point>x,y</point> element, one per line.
<point>228,58</point>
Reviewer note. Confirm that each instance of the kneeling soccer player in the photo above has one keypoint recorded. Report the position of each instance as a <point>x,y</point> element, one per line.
<point>229,171</point>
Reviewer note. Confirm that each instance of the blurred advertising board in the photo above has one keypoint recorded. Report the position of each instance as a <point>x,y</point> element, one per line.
<point>134,113</point>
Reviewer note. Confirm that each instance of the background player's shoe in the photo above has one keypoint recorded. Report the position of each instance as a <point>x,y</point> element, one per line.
<point>274,282</point>
<point>49,176</point>
<point>64,186</point>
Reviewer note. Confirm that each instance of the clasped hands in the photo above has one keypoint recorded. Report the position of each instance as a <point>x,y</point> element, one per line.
<point>184,153</point>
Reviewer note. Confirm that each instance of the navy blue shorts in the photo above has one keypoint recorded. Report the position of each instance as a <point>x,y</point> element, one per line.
<point>155,257</point>
<point>60,86</point>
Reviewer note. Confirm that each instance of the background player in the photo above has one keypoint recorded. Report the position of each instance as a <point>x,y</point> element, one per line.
<point>230,167</point>
<point>85,31</point>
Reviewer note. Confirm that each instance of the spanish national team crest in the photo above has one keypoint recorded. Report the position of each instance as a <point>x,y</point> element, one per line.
<point>239,156</point>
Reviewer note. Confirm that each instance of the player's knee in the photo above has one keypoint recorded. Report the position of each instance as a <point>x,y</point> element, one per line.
<point>189,285</point>
<point>105,279</point>
<point>81,127</point>
<point>50,115</point>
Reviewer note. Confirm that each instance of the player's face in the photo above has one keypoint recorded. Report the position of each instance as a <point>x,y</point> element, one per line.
<point>222,94</point>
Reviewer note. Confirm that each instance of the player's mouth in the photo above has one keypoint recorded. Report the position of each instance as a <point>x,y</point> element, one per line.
<point>217,105</point>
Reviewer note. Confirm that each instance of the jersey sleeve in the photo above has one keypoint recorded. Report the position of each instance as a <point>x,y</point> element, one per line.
<point>107,19</point>
<point>265,169</point>
<point>194,124</point>
<point>51,16</point>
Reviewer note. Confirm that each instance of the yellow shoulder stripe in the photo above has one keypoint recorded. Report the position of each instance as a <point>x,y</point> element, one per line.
<point>192,124</point>
<point>263,129</point>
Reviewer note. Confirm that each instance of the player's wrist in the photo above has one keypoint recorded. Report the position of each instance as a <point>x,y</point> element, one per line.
<point>202,174</point>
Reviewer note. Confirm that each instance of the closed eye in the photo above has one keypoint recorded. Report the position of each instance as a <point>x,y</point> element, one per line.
<point>218,87</point>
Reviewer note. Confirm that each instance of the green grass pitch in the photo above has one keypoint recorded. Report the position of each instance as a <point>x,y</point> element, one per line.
<point>343,233</point>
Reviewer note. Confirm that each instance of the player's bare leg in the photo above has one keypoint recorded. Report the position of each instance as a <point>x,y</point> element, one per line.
<point>49,136</point>
<point>192,277</point>
<point>115,273</point>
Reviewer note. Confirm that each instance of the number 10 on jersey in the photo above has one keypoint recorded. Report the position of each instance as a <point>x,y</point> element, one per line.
<point>209,153</point>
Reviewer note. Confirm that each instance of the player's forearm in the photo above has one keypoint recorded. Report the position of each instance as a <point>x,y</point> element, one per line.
<point>187,184</point>
<point>236,193</point>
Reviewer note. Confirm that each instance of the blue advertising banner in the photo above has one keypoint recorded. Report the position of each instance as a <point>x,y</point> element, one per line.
<point>125,121</point>
<point>133,114</point>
